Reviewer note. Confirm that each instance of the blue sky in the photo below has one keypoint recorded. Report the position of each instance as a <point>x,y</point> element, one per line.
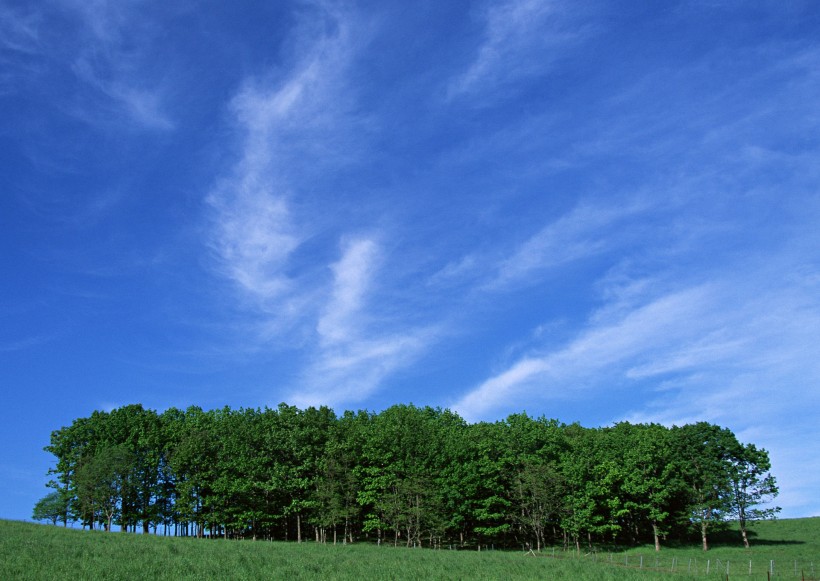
<point>595,211</point>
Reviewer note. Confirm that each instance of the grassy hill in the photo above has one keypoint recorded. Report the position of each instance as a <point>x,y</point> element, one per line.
<point>30,551</point>
<point>789,548</point>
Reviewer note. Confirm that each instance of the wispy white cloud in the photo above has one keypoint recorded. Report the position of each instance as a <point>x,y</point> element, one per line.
<point>522,39</point>
<point>105,19</point>
<point>19,30</point>
<point>106,44</point>
<point>586,231</point>
<point>254,228</point>
<point>20,45</point>
<point>740,351</point>
<point>757,375</point>
<point>77,212</point>
<point>349,372</point>
<point>358,346</point>
<point>289,126</point>
<point>140,102</point>
<point>352,275</point>
<point>14,345</point>
<point>700,329</point>
<point>254,238</point>
<point>639,333</point>
<point>456,271</point>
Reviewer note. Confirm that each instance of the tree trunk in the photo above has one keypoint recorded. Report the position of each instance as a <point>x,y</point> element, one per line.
<point>703,526</point>
<point>657,539</point>
<point>743,533</point>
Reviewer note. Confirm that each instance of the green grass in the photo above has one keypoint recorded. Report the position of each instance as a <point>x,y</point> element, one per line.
<point>792,545</point>
<point>29,551</point>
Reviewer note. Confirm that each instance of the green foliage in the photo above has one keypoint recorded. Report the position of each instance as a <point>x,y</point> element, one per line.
<point>103,484</point>
<point>52,507</point>
<point>704,456</point>
<point>406,476</point>
<point>751,486</point>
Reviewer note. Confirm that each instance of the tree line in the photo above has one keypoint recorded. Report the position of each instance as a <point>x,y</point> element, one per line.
<point>406,475</point>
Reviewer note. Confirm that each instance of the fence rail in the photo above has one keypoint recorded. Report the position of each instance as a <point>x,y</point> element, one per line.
<point>785,569</point>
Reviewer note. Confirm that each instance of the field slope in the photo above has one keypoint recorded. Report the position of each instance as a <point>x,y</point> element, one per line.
<point>30,551</point>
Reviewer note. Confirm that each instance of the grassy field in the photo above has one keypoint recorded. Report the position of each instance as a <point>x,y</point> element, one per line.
<point>29,551</point>
<point>788,548</point>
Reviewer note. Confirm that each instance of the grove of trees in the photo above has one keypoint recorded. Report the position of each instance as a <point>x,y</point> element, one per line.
<point>407,475</point>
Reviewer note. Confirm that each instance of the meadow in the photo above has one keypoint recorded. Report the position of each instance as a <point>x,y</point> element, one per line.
<point>789,548</point>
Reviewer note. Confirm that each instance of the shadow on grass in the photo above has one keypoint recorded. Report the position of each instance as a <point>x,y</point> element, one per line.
<point>726,539</point>
<point>754,543</point>
<point>733,538</point>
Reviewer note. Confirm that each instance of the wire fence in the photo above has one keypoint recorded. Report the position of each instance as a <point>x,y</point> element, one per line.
<point>785,569</point>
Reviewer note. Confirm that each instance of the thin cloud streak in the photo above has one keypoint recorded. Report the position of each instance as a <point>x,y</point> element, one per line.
<point>584,232</point>
<point>708,327</point>
<point>351,371</point>
<point>739,351</point>
<point>25,344</point>
<point>254,229</point>
<point>764,388</point>
<point>357,349</point>
<point>593,352</point>
<point>144,106</point>
<point>254,237</point>
<point>115,71</point>
<point>103,44</point>
<point>19,32</point>
<point>352,276</point>
<point>294,126</point>
<point>522,39</point>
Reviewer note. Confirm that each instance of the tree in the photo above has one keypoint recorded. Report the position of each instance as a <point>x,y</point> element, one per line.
<point>581,470</point>
<point>192,447</point>
<point>752,485</point>
<point>52,507</point>
<point>649,477</point>
<point>337,487</point>
<point>102,481</point>
<point>489,480</point>
<point>538,494</point>
<point>139,432</point>
<point>703,455</point>
<point>69,445</point>
<point>401,487</point>
<point>420,475</point>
